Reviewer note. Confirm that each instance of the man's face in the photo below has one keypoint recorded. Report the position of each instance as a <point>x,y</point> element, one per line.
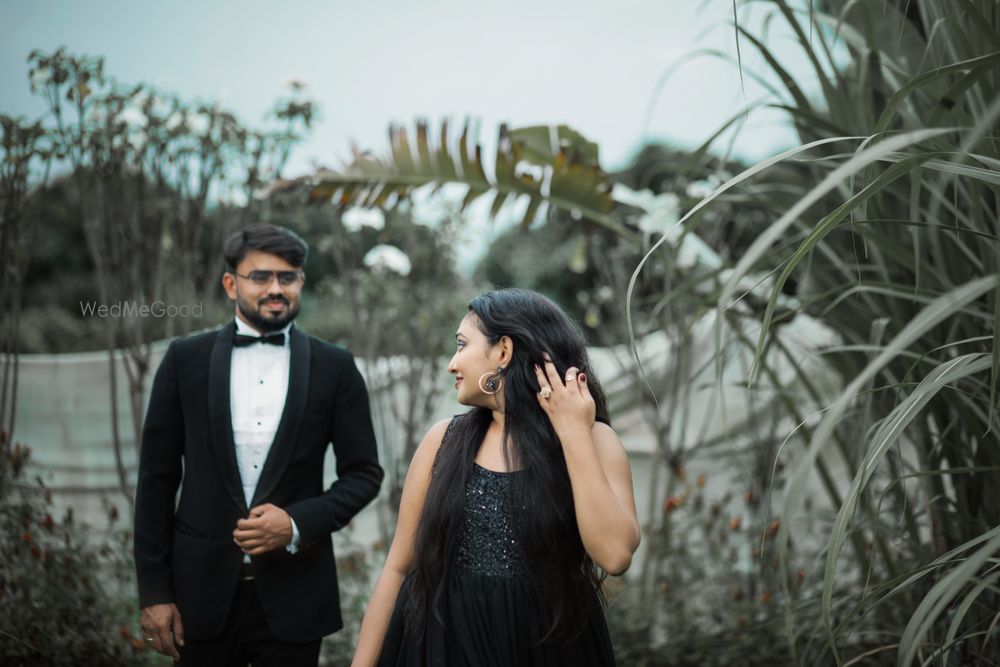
<point>269,301</point>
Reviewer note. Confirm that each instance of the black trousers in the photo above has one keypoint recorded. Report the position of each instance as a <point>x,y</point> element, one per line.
<point>247,639</point>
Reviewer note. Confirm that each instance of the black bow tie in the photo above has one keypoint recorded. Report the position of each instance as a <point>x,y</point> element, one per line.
<point>239,340</point>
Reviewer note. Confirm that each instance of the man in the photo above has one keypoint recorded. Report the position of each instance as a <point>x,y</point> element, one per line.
<point>240,567</point>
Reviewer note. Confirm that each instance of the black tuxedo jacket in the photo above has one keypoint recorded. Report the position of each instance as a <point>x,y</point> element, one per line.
<point>184,548</point>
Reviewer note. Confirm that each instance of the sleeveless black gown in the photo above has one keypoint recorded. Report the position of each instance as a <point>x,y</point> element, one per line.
<point>492,613</point>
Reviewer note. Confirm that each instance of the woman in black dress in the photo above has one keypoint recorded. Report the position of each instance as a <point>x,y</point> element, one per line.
<point>511,512</point>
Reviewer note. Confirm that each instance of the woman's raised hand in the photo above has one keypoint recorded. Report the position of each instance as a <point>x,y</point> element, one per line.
<point>566,401</point>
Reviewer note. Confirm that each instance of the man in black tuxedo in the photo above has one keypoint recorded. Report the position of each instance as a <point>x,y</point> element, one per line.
<point>240,567</point>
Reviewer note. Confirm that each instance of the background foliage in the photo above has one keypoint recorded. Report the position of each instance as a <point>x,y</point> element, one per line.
<point>66,591</point>
<point>861,526</point>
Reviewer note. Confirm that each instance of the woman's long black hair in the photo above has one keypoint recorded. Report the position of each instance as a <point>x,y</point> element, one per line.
<point>567,579</point>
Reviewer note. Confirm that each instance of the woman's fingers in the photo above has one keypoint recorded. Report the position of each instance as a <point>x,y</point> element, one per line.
<point>581,381</point>
<point>543,380</point>
<point>578,380</point>
<point>551,384</point>
<point>551,374</point>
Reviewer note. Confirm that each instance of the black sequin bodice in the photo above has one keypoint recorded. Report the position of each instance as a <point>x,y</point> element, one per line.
<point>488,543</point>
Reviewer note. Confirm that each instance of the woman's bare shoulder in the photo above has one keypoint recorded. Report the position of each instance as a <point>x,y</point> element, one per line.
<point>429,446</point>
<point>435,433</point>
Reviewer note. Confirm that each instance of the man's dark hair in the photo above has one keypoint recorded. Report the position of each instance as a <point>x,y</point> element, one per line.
<point>279,241</point>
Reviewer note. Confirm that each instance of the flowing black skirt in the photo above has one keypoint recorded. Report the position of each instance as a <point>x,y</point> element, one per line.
<point>491,621</point>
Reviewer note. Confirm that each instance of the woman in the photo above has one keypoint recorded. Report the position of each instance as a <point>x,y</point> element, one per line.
<point>509,510</point>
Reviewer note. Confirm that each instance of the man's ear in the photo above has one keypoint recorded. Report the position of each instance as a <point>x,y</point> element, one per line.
<point>229,284</point>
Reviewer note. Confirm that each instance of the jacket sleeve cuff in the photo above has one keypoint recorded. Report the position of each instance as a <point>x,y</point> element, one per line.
<point>313,519</point>
<point>155,591</point>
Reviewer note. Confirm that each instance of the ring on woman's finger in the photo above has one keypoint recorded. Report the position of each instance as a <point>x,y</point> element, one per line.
<point>546,392</point>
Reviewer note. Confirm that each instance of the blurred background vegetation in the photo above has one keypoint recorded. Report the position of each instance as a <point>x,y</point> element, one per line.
<point>863,525</point>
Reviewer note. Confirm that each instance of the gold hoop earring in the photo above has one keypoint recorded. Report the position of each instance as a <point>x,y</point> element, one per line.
<point>493,384</point>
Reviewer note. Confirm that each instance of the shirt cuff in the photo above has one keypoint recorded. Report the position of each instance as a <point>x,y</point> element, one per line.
<point>293,546</point>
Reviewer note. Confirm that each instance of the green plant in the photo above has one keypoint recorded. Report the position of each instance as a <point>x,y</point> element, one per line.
<point>893,238</point>
<point>65,589</point>
<point>356,564</point>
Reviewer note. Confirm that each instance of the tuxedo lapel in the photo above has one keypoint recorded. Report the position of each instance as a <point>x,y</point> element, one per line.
<point>291,418</point>
<point>221,416</point>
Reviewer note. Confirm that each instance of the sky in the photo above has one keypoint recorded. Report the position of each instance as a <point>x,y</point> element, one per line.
<point>592,65</point>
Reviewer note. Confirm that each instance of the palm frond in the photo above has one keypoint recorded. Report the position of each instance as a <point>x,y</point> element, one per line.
<point>552,165</point>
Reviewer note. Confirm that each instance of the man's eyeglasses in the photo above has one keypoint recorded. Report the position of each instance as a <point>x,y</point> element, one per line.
<point>260,277</point>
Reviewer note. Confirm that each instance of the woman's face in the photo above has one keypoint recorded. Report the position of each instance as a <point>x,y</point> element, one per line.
<point>473,357</point>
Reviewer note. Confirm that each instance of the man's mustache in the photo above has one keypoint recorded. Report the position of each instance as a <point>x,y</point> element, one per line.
<point>273,300</point>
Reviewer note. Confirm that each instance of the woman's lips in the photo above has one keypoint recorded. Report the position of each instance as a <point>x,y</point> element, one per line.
<point>458,382</point>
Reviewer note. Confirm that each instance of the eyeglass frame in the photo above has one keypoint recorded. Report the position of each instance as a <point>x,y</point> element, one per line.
<point>271,275</point>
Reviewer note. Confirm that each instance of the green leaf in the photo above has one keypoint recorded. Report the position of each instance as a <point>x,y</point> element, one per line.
<point>822,229</point>
<point>990,60</point>
<point>938,598</point>
<point>884,439</point>
<point>576,183</point>
<point>728,185</point>
<point>932,315</point>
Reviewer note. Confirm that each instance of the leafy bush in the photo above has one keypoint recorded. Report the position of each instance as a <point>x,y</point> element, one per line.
<point>356,565</point>
<point>66,591</point>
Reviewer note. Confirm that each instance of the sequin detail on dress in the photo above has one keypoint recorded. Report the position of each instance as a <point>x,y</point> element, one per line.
<point>488,544</point>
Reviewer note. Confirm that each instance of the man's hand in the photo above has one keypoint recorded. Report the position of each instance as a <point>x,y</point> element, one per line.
<point>162,623</point>
<point>268,528</point>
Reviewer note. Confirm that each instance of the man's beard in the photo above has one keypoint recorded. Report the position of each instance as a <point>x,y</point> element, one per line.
<point>263,324</point>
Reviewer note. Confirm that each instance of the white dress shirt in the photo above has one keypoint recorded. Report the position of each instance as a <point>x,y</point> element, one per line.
<point>258,386</point>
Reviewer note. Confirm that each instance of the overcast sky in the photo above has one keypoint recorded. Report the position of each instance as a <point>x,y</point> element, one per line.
<point>593,65</point>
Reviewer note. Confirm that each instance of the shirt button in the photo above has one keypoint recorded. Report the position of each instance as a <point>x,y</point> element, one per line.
<point>258,423</point>
<point>260,381</point>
